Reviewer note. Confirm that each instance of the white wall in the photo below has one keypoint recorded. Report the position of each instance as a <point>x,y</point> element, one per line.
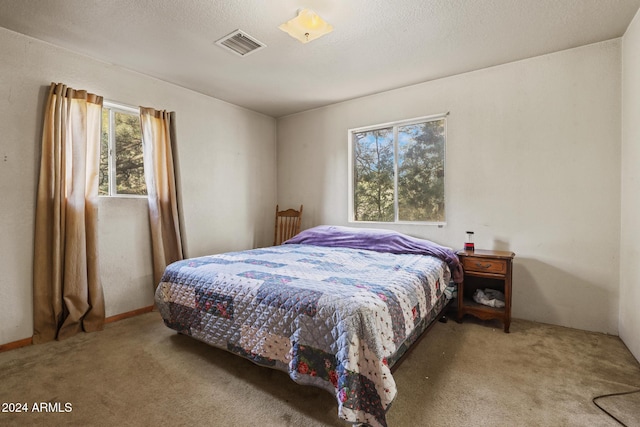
<point>630,235</point>
<point>225,155</point>
<point>533,166</point>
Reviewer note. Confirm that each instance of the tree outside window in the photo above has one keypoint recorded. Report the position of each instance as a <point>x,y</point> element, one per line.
<point>398,171</point>
<point>121,160</point>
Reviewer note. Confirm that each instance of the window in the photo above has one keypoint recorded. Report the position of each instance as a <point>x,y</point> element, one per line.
<point>121,162</point>
<point>397,171</point>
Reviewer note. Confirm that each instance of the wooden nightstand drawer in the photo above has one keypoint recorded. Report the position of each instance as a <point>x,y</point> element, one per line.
<point>484,265</point>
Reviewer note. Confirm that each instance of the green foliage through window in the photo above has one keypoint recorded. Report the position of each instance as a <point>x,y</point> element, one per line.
<point>398,171</point>
<point>121,161</point>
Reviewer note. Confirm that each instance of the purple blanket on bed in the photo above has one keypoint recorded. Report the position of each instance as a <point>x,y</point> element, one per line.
<point>379,241</point>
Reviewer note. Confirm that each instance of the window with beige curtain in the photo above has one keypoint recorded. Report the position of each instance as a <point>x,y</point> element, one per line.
<point>67,293</point>
<point>158,139</point>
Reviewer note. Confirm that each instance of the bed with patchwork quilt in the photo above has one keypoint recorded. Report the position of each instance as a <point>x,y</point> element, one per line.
<point>334,307</point>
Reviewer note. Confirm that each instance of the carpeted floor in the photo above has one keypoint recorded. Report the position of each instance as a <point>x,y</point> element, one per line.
<point>138,372</point>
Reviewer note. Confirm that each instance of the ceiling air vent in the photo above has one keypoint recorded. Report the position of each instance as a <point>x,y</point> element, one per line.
<point>240,43</point>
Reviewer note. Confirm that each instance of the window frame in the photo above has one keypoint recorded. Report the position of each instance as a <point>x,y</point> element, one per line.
<point>111,144</point>
<point>395,125</point>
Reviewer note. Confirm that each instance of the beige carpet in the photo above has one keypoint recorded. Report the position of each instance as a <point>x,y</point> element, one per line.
<point>139,373</point>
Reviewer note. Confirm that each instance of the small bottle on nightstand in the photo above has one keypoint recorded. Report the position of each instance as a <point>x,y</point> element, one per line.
<point>469,245</point>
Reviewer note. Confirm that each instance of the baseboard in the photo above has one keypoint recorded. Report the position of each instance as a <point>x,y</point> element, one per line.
<point>128,314</point>
<point>16,344</point>
<point>28,341</point>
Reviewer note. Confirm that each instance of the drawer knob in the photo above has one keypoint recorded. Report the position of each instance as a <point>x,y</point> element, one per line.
<point>479,265</point>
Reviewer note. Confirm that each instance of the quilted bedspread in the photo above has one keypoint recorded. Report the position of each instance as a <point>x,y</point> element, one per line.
<point>336,318</point>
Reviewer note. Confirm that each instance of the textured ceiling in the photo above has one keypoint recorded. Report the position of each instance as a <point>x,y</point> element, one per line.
<point>376,45</point>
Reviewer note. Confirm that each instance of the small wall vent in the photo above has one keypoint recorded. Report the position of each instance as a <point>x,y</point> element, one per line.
<point>240,43</point>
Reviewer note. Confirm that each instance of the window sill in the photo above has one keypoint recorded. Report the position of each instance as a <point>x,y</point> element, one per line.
<point>422,223</point>
<point>123,196</point>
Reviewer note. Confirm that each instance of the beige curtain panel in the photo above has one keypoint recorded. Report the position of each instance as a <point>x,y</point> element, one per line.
<point>67,294</point>
<point>158,143</point>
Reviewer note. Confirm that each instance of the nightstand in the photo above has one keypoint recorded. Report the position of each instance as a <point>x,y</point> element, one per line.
<point>485,269</point>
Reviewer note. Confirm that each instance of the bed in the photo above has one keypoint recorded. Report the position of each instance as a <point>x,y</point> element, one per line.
<point>334,307</point>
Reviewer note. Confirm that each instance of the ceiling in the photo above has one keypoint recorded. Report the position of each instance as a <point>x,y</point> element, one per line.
<point>376,45</point>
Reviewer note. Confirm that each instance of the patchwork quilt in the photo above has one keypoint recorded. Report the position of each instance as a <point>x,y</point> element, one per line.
<point>333,317</point>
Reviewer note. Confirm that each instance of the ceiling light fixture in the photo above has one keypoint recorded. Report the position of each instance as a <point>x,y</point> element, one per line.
<point>306,26</point>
